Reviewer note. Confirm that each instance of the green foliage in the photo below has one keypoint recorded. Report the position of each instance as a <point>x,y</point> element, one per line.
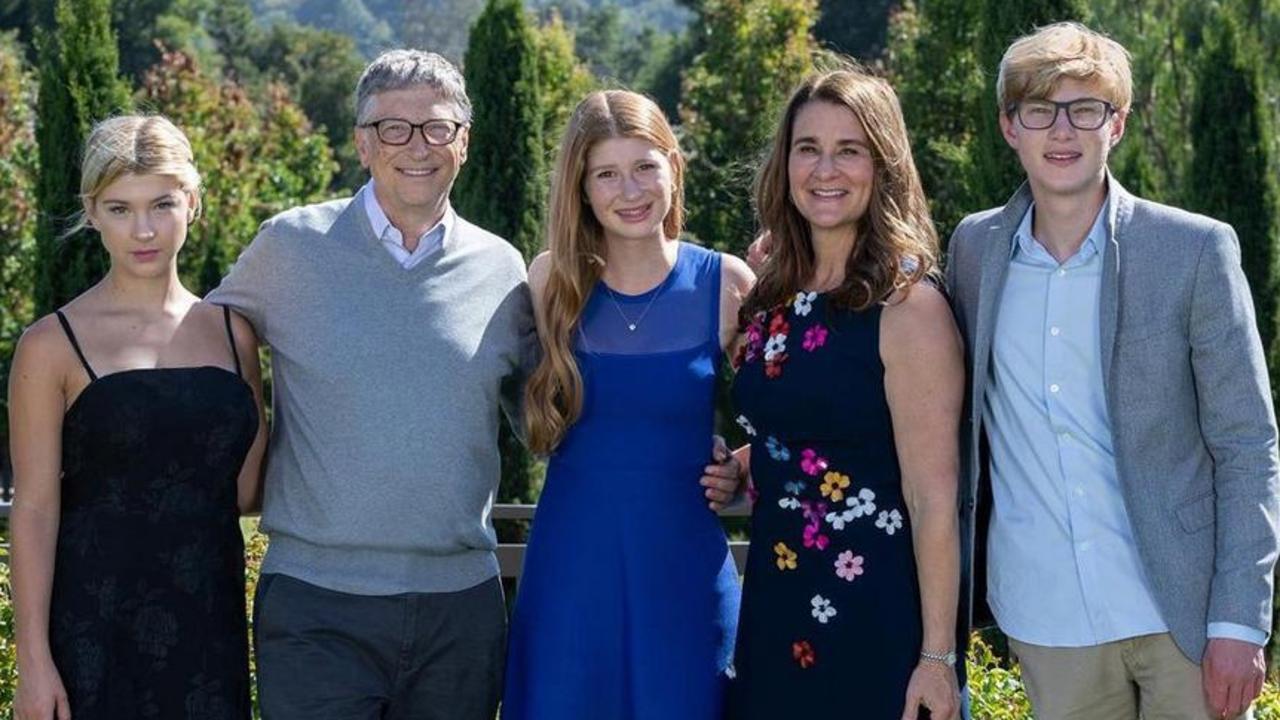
<point>563,80</point>
<point>17,213</point>
<point>79,86</point>
<point>8,649</point>
<point>756,50</point>
<point>135,24</point>
<point>1231,168</point>
<point>257,159</point>
<point>997,172</point>
<point>995,686</point>
<point>934,68</point>
<point>502,186</point>
<point>859,29</point>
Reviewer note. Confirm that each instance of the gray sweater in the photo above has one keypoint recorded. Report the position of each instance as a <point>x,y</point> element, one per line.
<point>383,461</point>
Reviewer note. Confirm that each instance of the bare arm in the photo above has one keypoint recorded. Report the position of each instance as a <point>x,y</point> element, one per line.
<point>249,483</point>
<point>37,401</point>
<point>736,281</point>
<point>924,384</point>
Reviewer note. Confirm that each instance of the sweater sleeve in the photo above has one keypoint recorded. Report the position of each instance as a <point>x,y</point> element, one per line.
<point>249,285</point>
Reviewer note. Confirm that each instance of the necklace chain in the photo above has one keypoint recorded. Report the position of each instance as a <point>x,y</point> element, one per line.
<point>633,324</point>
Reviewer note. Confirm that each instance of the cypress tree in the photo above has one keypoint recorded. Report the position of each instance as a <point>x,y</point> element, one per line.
<point>997,171</point>
<point>79,86</point>
<point>1230,171</point>
<point>502,185</point>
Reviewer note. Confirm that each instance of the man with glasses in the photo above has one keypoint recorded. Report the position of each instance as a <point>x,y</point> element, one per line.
<point>1120,427</point>
<point>396,329</point>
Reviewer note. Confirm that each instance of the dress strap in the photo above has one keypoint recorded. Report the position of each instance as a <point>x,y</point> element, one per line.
<point>231,338</point>
<point>66,327</point>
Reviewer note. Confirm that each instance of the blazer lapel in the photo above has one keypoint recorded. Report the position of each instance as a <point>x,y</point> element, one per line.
<point>995,267</point>
<point>1119,213</point>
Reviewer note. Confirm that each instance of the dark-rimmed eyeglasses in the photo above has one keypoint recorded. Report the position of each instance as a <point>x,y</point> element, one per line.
<point>1082,113</point>
<point>397,131</point>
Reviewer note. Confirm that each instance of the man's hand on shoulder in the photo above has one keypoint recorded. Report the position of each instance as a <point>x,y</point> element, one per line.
<point>1233,672</point>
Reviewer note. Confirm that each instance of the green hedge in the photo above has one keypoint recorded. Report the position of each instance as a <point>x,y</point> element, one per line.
<point>996,691</point>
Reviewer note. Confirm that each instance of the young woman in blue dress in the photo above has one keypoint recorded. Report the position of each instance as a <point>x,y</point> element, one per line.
<point>137,435</point>
<point>629,596</point>
<point>850,384</point>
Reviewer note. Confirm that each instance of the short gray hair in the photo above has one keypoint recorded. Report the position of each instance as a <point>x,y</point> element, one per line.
<point>401,69</point>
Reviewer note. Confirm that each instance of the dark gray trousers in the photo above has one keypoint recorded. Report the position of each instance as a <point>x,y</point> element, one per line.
<point>324,654</point>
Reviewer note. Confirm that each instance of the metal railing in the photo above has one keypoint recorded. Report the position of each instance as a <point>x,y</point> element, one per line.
<point>511,555</point>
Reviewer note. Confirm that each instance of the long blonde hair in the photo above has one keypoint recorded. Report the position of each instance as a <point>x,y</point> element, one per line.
<point>896,245</point>
<point>575,239</point>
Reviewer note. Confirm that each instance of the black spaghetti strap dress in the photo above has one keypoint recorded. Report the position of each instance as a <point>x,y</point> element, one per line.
<point>147,615</point>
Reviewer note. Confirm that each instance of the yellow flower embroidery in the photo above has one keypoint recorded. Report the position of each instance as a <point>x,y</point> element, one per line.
<point>786,558</point>
<point>833,485</point>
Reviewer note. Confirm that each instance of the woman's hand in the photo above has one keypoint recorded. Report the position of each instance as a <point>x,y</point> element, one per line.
<point>933,686</point>
<point>723,477</point>
<point>40,694</point>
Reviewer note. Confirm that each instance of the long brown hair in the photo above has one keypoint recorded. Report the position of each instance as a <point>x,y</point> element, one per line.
<point>896,243</point>
<point>575,239</point>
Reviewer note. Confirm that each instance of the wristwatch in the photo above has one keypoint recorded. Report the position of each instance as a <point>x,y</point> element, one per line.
<point>947,658</point>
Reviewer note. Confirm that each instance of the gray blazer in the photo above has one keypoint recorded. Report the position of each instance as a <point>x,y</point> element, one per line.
<point>1188,397</point>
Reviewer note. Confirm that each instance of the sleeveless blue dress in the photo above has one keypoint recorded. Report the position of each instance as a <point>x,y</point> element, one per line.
<point>628,602</point>
<point>830,622</point>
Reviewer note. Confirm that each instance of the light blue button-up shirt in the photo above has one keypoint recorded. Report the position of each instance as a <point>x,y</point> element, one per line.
<point>1063,567</point>
<point>393,240</point>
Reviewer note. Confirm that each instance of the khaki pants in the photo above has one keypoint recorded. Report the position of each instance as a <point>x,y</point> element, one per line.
<point>1145,677</point>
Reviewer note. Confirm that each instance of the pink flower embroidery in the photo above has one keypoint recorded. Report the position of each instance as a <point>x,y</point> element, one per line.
<point>812,463</point>
<point>813,537</point>
<point>802,652</point>
<point>848,565</point>
<point>814,338</point>
<point>813,511</point>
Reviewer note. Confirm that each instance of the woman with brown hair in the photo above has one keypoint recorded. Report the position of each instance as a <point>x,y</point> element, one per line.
<point>850,384</point>
<point>629,595</point>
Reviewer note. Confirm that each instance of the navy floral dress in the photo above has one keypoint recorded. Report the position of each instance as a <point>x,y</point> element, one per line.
<point>830,623</point>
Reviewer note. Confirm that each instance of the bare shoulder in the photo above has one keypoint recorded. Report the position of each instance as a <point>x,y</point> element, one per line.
<point>918,320</point>
<point>43,350</point>
<point>539,274</point>
<point>735,274</point>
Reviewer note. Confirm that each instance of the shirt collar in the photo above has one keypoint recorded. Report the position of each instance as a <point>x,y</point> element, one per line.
<point>382,226</point>
<point>1026,243</point>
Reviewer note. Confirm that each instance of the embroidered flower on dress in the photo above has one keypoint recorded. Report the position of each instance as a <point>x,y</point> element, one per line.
<point>802,652</point>
<point>786,556</point>
<point>814,338</point>
<point>804,302</point>
<point>848,565</point>
<point>777,450</point>
<point>838,520</point>
<point>795,487</point>
<point>813,511</point>
<point>863,503</point>
<point>776,346</point>
<point>746,425</point>
<point>833,485</point>
<point>811,462</point>
<point>813,537</point>
<point>890,521</point>
<point>788,503</point>
<point>822,609</point>
<point>752,493</point>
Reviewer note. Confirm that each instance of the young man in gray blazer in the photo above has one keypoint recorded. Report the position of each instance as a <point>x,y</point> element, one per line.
<point>1120,421</point>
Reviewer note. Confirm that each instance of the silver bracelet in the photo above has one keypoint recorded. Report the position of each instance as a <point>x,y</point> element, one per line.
<point>947,658</point>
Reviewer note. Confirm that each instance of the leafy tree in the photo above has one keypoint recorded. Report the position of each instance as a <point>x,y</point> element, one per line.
<point>501,187</point>
<point>1231,167</point>
<point>997,171</point>
<point>935,71</point>
<point>563,80</point>
<point>135,24</point>
<point>441,28</point>
<point>79,86</point>
<point>257,158</point>
<point>17,214</point>
<point>859,29</point>
<point>756,50</point>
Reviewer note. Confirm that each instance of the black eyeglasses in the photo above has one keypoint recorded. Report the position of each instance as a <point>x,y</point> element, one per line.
<point>395,131</point>
<point>1083,114</point>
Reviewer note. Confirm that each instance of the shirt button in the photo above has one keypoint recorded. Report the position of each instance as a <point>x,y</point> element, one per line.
<point>1062,271</point>
<point>1054,331</point>
<point>1053,388</point>
<point>1079,491</point>
<point>1064,435</point>
<point>1084,545</point>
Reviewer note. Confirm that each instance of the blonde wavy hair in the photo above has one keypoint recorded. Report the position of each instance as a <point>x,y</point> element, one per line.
<point>896,244</point>
<point>575,239</point>
<point>1035,64</point>
<point>134,145</point>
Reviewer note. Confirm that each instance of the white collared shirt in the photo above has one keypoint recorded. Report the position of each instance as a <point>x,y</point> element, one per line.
<point>393,240</point>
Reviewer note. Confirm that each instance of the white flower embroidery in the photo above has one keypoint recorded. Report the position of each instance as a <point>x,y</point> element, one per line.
<point>862,504</point>
<point>776,345</point>
<point>804,302</point>
<point>890,521</point>
<point>822,609</point>
<point>746,425</point>
<point>789,503</point>
<point>838,520</point>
